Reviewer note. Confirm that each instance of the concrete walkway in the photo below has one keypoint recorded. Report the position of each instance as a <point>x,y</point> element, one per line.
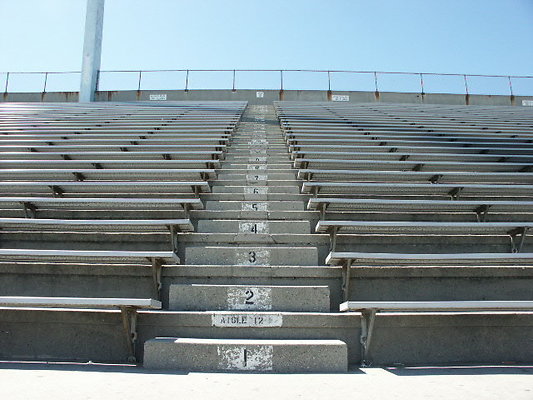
<point>90,381</point>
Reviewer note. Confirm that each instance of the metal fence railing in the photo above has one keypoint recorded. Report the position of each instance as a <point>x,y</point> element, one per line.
<point>284,79</point>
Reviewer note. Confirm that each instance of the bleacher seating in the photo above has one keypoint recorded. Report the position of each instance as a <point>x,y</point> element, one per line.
<point>266,238</point>
<point>408,179</point>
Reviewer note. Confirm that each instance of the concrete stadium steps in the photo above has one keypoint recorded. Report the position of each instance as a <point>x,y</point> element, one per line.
<point>254,226</point>
<point>268,251</point>
<point>224,205</point>
<point>251,255</point>
<point>277,356</point>
<point>198,297</point>
<point>255,216</point>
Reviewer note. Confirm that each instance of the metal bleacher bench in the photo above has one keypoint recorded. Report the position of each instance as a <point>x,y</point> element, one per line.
<point>128,309</point>
<point>82,174</point>
<point>31,205</point>
<point>61,188</point>
<point>453,190</point>
<point>429,176</point>
<point>348,259</point>
<point>153,259</point>
<point>102,225</point>
<point>479,208</point>
<point>517,231</point>
<point>369,309</point>
<point>113,155</point>
<point>108,164</point>
<point>414,165</point>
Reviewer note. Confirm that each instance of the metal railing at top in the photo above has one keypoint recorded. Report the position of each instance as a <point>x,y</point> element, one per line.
<point>377,78</point>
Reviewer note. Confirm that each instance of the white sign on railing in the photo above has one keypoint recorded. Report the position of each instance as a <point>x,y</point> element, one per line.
<point>340,97</point>
<point>158,97</point>
<point>527,103</point>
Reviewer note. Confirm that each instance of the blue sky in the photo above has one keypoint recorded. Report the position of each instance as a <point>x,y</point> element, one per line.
<point>452,36</point>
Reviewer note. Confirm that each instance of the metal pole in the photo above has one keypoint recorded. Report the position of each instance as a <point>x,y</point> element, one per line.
<point>7,82</point>
<point>45,80</point>
<point>233,85</point>
<point>187,81</point>
<point>466,84</point>
<point>422,83</point>
<point>92,49</point>
<point>281,80</point>
<point>511,86</point>
<point>139,84</point>
<point>376,81</point>
<point>329,81</point>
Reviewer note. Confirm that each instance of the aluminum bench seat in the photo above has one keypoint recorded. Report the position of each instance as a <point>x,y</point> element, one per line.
<point>516,231</point>
<point>481,136</point>
<point>75,174</point>
<point>130,188</point>
<point>78,302</point>
<point>349,260</point>
<point>128,309</point>
<point>108,164</point>
<point>480,208</point>
<point>90,256</point>
<point>114,155</point>
<point>421,227</point>
<point>448,150</point>
<point>453,259</point>
<point>99,225</point>
<point>416,176</point>
<point>32,204</point>
<point>428,165</point>
<point>126,134</point>
<point>453,191</point>
<point>407,155</point>
<point>127,148</point>
<point>441,306</point>
<point>116,142</point>
<point>362,141</point>
<point>369,310</point>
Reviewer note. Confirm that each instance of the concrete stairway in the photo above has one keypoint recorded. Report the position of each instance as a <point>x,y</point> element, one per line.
<point>253,218</point>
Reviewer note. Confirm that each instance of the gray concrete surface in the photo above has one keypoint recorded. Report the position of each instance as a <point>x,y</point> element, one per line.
<point>274,95</point>
<point>22,381</point>
<point>196,297</point>
<point>285,356</point>
<point>219,255</point>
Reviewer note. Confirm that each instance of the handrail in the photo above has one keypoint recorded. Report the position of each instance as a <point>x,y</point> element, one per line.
<point>329,73</point>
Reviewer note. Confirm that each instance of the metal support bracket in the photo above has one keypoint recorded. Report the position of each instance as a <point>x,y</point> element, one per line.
<point>323,207</point>
<point>156,277</point>
<point>129,323</point>
<point>30,210</point>
<point>173,239</point>
<point>346,272</point>
<point>435,178</point>
<point>514,234</point>
<point>368,317</point>
<point>196,190</point>
<point>79,176</point>
<point>481,212</point>
<point>186,209</point>
<point>333,238</point>
<point>57,191</point>
<point>454,193</point>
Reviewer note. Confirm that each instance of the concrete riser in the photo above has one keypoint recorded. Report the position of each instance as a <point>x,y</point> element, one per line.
<point>251,255</point>
<point>277,356</point>
<point>253,226</point>
<point>255,206</point>
<point>243,298</point>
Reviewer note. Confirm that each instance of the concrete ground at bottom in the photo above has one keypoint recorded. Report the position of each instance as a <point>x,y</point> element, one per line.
<point>85,381</point>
